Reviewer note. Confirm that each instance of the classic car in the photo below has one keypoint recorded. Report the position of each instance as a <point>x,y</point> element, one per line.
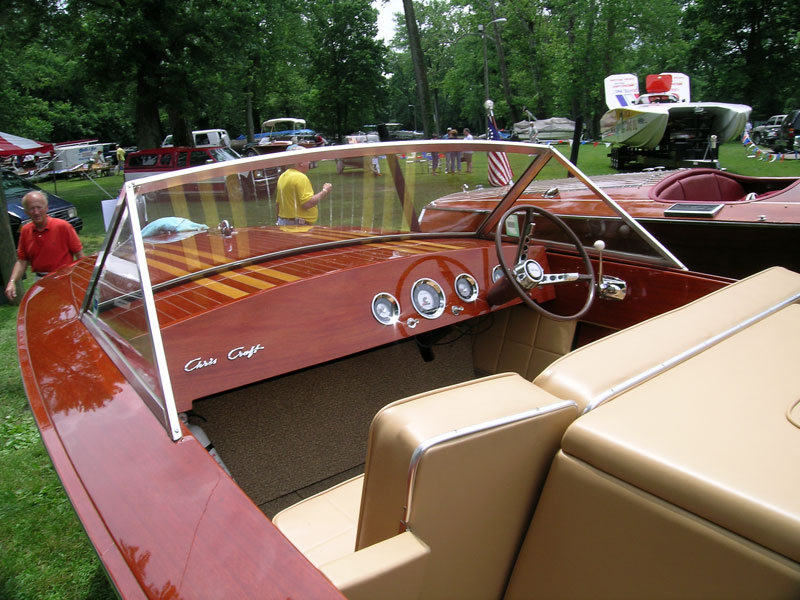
<point>355,407</point>
<point>713,221</point>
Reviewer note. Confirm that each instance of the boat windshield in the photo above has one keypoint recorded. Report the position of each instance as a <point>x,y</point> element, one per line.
<point>224,225</point>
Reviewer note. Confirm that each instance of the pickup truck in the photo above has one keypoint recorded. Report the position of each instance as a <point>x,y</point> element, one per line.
<point>786,137</point>
<point>766,131</point>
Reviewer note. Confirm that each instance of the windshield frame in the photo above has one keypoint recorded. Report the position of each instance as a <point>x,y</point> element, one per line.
<point>159,396</point>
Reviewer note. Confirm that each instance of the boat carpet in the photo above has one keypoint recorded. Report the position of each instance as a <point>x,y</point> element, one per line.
<point>287,438</point>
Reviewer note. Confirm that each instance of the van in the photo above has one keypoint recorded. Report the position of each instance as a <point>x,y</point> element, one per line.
<point>204,138</point>
<point>164,160</point>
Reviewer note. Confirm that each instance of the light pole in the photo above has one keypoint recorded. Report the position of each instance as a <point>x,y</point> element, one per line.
<point>414,111</point>
<point>482,32</point>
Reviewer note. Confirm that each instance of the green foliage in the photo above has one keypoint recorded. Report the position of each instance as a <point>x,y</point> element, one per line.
<point>743,50</point>
<point>346,63</point>
<point>133,71</point>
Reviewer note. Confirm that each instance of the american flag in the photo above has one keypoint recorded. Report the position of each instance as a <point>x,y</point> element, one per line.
<point>500,172</point>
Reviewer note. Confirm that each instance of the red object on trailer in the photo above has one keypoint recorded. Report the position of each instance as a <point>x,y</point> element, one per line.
<point>658,84</point>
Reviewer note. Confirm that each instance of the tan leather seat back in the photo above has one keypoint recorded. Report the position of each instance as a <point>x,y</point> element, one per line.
<point>595,373</point>
<point>522,341</point>
<point>462,468</point>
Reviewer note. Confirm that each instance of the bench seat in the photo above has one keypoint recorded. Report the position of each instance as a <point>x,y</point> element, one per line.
<point>460,468</point>
<point>595,373</point>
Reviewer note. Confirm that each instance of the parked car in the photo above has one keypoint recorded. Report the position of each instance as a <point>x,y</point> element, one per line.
<point>204,137</point>
<point>767,130</point>
<point>15,188</point>
<point>786,135</point>
<point>164,160</point>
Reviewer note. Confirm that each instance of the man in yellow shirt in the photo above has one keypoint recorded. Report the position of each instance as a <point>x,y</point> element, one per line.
<point>297,203</point>
<point>120,160</point>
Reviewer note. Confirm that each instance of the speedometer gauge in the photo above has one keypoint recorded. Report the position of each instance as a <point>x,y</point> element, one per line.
<point>466,287</point>
<point>385,309</point>
<point>427,296</point>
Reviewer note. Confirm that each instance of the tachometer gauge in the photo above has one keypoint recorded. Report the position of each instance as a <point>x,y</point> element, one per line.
<point>497,273</point>
<point>385,309</point>
<point>466,287</point>
<point>427,296</point>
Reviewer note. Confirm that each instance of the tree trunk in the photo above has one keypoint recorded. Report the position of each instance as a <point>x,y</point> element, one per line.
<point>148,129</point>
<point>420,72</point>
<point>8,254</point>
<point>181,130</point>
<point>249,117</point>
<point>501,60</point>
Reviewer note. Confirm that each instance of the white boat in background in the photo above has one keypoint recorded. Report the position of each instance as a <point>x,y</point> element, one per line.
<point>644,125</point>
<point>554,128</point>
<point>678,132</point>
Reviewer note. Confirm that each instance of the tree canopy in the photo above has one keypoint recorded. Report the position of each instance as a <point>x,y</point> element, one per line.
<point>131,72</point>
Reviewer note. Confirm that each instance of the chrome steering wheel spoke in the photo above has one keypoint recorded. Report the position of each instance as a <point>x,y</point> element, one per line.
<point>527,274</point>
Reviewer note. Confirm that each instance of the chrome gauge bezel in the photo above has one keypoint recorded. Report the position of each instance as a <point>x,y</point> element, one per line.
<point>473,285</point>
<point>497,273</point>
<point>385,299</point>
<point>436,290</point>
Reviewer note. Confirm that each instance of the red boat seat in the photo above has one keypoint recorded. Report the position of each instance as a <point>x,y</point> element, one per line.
<point>699,185</point>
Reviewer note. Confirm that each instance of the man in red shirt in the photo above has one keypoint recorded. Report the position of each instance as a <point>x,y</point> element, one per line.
<point>46,243</point>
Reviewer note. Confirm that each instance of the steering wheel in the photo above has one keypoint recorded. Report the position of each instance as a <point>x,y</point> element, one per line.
<point>527,274</point>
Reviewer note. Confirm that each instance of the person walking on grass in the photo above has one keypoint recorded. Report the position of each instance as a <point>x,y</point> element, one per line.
<point>45,243</point>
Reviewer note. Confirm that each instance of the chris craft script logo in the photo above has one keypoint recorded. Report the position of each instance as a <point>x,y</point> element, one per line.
<point>234,353</point>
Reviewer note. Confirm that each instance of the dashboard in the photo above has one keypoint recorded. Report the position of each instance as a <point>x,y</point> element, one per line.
<point>347,301</point>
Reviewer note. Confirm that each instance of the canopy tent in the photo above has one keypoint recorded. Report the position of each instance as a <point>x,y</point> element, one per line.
<point>11,145</point>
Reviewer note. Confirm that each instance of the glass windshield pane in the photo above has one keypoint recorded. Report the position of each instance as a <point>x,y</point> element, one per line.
<point>117,304</point>
<point>200,238</point>
<point>197,221</point>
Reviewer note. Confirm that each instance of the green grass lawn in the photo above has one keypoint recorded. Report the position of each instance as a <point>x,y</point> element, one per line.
<point>44,552</point>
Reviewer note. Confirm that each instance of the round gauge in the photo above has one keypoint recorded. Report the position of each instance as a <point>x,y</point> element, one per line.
<point>466,287</point>
<point>385,309</point>
<point>427,296</point>
<point>497,273</point>
<point>534,270</point>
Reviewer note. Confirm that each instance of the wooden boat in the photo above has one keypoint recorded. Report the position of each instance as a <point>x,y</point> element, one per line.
<point>494,402</point>
<point>713,221</point>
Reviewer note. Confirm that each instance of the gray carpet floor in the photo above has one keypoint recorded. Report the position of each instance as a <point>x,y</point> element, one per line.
<point>291,436</point>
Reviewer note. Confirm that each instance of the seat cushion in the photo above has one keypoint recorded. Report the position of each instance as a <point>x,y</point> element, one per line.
<point>711,434</point>
<point>699,185</point>
<point>323,527</point>
<point>598,371</point>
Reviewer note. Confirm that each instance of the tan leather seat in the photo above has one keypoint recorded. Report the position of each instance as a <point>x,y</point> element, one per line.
<point>685,486</point>
<point>603,369</point>
<point>450,481</point>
